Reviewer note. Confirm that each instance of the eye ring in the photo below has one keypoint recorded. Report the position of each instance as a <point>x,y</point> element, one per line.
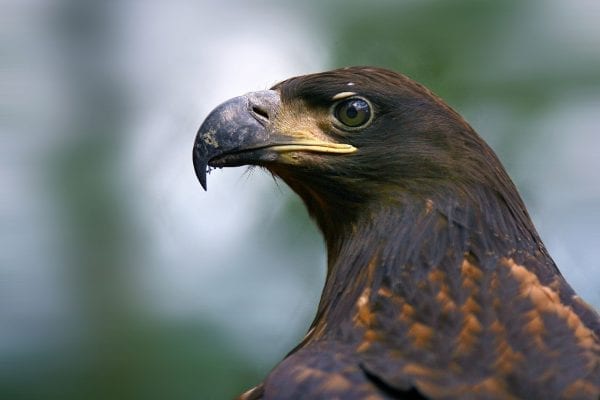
<point>352,113</point>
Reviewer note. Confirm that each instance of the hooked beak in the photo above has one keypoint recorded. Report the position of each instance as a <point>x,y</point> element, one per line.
<point>241,131</point>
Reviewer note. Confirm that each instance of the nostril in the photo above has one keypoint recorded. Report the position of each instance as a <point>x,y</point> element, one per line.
<point>260,111</point>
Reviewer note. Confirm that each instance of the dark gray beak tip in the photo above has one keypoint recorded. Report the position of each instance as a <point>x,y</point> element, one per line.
<point>201,168</point>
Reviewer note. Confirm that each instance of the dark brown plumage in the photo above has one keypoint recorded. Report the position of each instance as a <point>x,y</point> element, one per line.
<point>438,285</point>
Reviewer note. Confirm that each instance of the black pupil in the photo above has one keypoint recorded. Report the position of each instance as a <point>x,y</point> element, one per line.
<point>351,111</point>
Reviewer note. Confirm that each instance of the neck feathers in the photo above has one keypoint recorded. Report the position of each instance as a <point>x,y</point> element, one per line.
<point>398,244</point>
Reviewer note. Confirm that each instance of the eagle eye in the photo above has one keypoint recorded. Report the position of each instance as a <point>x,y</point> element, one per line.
<point>353,113</point>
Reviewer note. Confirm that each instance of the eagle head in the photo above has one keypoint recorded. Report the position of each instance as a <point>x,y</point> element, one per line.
<point>354,137</point>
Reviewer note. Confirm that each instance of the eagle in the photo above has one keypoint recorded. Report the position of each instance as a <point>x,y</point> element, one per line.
<point>438,285</point>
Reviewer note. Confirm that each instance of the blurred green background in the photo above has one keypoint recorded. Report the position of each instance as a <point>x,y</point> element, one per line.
<point>120,278</point>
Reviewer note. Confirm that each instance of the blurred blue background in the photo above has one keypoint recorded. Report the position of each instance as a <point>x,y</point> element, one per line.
<point>121,278</point>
